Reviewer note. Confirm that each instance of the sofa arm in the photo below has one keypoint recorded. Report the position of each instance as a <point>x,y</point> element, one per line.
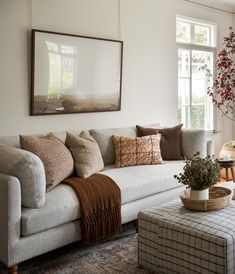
<point>10,215</point>
<point>194,140</point>
<point>29,169</point>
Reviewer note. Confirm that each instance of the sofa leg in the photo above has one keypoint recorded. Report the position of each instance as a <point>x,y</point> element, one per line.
<point>13,269</point>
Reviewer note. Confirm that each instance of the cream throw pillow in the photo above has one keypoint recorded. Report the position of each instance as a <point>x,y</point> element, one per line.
<point>86,154</point>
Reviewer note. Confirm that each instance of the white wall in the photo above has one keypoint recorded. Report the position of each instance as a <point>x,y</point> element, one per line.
<point>150,58</point>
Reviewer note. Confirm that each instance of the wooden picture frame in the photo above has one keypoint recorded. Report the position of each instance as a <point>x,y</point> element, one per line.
<point>74,73</point>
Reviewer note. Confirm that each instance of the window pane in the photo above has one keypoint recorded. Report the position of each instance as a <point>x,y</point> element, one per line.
<point>201,35</point>
<point>184,85</point>
<point>67,49</point>
<point>67,72</point>
<point>54,87</point>
<point>184,116</point>
<point>198,116</point>
<point>182,32</point>
<point>183,63</point>
<point>52,46</point>
<point>199,81</point>
<point>209,117</point>
<point>183,91</point>
<point>198,91</point>
<point>202,111</point>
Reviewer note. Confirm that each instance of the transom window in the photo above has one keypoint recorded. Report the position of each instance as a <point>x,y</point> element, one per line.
<point>192,31</point>
<point>196,47</point>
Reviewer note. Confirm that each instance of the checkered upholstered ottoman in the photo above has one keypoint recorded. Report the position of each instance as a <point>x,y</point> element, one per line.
<point>173,239</point>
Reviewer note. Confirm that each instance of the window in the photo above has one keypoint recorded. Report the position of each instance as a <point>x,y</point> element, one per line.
<point>62,59</point>
<point>196,47</point>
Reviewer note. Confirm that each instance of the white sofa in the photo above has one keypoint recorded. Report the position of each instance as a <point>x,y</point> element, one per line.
<point>29,232</point>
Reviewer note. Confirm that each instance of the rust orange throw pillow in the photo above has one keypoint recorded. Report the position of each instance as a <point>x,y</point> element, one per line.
<point>137,151</point>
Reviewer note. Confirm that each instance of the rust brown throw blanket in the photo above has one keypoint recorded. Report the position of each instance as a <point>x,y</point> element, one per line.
<point>100,201</point>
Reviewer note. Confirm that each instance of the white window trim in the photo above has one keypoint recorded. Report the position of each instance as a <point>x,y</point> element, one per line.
<point>212,47</point>
<point>202,48</point>
<point>194,21</point>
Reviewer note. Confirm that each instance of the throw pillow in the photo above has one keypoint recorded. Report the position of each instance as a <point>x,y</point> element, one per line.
<point>137,151</point>
<point>104,140</point>
<point>57,159</point>
<point>170,140</point>
<point>86,154</point>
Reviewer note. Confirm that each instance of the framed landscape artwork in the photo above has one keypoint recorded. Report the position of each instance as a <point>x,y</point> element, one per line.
<point>73,74</point>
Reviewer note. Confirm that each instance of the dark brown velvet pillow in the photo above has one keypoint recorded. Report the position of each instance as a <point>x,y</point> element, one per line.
<point>170,143</point>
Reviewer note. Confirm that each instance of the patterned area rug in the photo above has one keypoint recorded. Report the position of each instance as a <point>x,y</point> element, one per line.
<point>116,255</point>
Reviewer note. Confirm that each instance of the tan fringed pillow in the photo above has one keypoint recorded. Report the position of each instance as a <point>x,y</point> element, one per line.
<point>56,158</point>
<point>86,154</point>
<point>137,151</point>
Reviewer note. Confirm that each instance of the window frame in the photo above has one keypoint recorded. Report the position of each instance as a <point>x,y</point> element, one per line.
<point>199,47</point>
<point>197,22</point>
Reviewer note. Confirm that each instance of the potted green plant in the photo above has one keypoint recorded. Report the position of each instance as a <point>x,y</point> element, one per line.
<point>199,174</point>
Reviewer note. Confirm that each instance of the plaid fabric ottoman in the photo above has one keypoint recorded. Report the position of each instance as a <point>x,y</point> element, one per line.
<point>173,239</point>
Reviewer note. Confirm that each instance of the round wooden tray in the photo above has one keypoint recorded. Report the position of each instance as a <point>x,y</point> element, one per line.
<point>219,197</point>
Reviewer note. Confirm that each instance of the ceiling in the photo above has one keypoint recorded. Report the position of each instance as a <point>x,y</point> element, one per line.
<point>227,5</point>
<point>232,2</point>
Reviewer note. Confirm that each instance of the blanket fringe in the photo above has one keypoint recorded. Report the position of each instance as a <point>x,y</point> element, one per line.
<point>100,200</point>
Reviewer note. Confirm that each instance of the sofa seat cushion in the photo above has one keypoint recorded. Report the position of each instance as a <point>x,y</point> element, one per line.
<point>138,182</point>
<point>61,206</point>
<point>135,182</point>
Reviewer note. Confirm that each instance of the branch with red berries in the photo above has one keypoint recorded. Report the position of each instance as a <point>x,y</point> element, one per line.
<point>222,85</point>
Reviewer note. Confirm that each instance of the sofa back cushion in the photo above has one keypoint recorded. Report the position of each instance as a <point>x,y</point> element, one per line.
<point>14,141</point>
<point>104,140</point>
<point>29,169</point>
<point>194,140</point>
<point>137,151</point>
<point>86,154</point>
<point>57,159</point>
